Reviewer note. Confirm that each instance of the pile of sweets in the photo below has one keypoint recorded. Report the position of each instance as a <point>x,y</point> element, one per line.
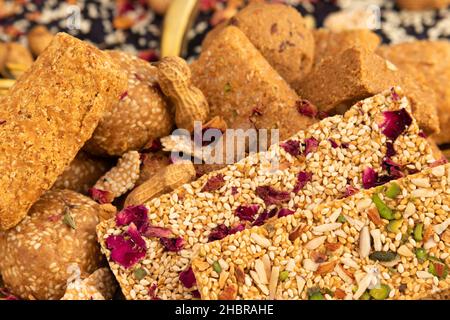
<point>352,204</point>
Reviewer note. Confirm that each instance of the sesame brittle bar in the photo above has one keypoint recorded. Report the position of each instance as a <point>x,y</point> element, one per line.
<point>374,142</point>
<point>46,118</point>
<point>390,242</point>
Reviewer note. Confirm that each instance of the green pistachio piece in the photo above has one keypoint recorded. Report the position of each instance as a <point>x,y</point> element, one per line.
<point>383,256</point>
<point>418,232</point>
<point>216,266</point>
<point>284,275</point>
<point>393,190</point>
<point>380,293</point>
<point>394,226</point>
<point>421,254</point>
<point>316,296</point>
<point>341,219</point>
<point>384,211</point>
<point>365,296</point>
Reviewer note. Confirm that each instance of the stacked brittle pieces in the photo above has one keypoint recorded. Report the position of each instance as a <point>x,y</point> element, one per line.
<point>352,202</point>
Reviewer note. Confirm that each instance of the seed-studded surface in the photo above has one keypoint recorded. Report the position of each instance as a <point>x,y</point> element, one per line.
<point>100,285</point>
<point>336,250</point>
<point>141,115</point>
<point>46,125</point>
<point>82,173</point>
<point>59,231</point>
<point>123,176</point>
<point>192,213</point>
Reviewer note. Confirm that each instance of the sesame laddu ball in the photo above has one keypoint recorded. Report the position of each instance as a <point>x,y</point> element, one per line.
<point>142,114</point>
<point>59,231</point>
<point>82,173</point>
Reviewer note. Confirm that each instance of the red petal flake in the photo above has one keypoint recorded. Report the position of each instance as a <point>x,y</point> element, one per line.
<point>303,178</point>
<point>236,229</point>
<point>101,196</point>
<point>390,150</point>
<point>152,292</point>
<point>369,178</point>
<point>135,235</point>
<point>123,95</point>
<point>393,169</point>
<point>157,232</point>
<point>218,233</point>
<point>195,294</point>
<point>334,144</point>
<point>124,251</point>
<point>272,196</point>
<point>285,212</point>
<point>394,95</point>
<point>311,145</point>
<point>214,183</point>
<point>234,191</point>
<point>138,215</point>
<point>306,108</point>
<point>395,123</point>
<point>439,162</point>
<point>292,147</point>
<point>262,218</point>
<point>247,213</point>
<point>172,244</point>
<point>350,190</point>
<point>187,278</point>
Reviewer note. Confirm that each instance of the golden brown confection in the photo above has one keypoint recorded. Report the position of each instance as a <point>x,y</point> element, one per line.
<point>15,56</point>
<point>280,33</point>
<point>423,4</point>
<point>82,173</point>
<point>332,43</point>
<point>357,74</point>
<point>48,115</point>
<point>151,164</point>
<point>59,231</point>
<point>242,87</point>
<point>437,153</point>
<point>141,115</point>
<point>429,60</point>
<point>39,38</point>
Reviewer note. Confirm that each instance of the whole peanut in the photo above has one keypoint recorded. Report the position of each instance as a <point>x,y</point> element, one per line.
<point>174,78</point>
<point>165,180</point>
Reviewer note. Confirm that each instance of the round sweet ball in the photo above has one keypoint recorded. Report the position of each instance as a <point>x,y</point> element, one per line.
<point>142,114</point>
<point>58,232</point>
<point>282,35</point>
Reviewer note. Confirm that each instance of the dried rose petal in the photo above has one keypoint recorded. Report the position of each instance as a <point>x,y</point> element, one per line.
<point>322,115</point>
<point>394,169</point>
<point>394,95</point>
<point>214,183</point>
<point>439,162</point>
<point>345,145</point>
<point>157,232</point>
<point>101,196</point>
<point>247,212</point>
<point>123,95</point>
<point>350,190</point>
<point>195,294</point>
<point>334,144</point>
<point>148,55</point>
<point>133,214</point>
<point>395,123</point>
<point>272,196</point>
<point>285,212</point>
<point>292,147</point>
<point>422,134</point>
<point>135,235</point>
<point>152,292</point>
<point>311,145</point>
<point>124,251</point>
<point>306,108</point>
<point>390,150</point>
<point>238,228</point>
<point>218,233</point>
<point>303,178</point>
<point>187,278</point>
<point>234,191</point>
<point>369,178</point>
<point>172,244</point>
<point>264,216</point>
<point>6,295</point>
<point>154,146</point>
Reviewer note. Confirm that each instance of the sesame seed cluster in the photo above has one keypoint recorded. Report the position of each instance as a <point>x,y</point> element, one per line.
<point>192,213</point>
<point>300,255</point>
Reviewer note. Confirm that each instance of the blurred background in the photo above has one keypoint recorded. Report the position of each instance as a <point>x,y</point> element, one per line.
<point>137,25</point>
